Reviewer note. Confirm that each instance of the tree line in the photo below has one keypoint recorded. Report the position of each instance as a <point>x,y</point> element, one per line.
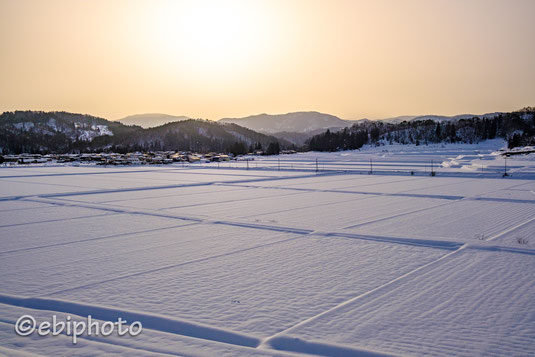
<point>60,132</point>
<point>518,128</point>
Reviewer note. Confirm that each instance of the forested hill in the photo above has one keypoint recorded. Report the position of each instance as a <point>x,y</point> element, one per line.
<point>518,128</point>
<point>61,132</point>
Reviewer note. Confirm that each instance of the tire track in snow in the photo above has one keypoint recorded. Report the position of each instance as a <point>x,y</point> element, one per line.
<point>294,208</point>
<point>58,219</point>
<point>229,201</point>
<point>119,235</point>
<point>283,340</point>
<point>382,219</point>
<point>170,266</point>
<point>181,194</point>
<point>42,183</point>
<point>4,351</point>
<point>512,229</point>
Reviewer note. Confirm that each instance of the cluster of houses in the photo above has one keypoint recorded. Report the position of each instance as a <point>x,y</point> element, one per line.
<point>134,158</point>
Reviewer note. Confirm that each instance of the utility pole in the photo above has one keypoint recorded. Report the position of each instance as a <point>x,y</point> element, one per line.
<point>371,167</point>
<point>432,172</point>
<point>247,160</point>
<point>505,167</point>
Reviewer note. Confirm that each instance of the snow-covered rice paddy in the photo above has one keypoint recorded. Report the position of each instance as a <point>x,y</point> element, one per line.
<point>285,257</point>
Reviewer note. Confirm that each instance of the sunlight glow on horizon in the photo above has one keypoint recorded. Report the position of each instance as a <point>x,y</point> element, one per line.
<point>214,59</point>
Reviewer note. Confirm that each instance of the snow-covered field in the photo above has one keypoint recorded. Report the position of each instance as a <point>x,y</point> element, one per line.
<point>286,257</point>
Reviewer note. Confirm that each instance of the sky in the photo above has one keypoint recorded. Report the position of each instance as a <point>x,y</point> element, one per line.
<point>213,59</point>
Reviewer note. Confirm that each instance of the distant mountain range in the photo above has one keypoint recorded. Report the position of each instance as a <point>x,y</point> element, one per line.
<point>305,122</point>
<point>298,122</point>
<point>151,120</point>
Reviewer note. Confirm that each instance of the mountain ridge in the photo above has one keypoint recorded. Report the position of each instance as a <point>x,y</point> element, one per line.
<point>303,122</point>
<point>300,122</point>
<point>151,120</point>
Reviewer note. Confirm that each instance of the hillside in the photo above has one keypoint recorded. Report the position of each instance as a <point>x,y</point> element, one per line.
<point>518,128</point>
<point>204,136</point>
<point>60,132</point>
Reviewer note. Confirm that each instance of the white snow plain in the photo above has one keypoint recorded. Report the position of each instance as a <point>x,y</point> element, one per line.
<point>286,257</point>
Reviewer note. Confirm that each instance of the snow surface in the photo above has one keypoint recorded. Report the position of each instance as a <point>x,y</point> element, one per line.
<point>215,259</point>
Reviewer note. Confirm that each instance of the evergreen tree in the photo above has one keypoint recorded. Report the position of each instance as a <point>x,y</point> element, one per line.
<point>273,149</point>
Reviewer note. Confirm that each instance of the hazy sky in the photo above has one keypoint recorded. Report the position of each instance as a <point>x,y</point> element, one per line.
<point>214,59</point>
